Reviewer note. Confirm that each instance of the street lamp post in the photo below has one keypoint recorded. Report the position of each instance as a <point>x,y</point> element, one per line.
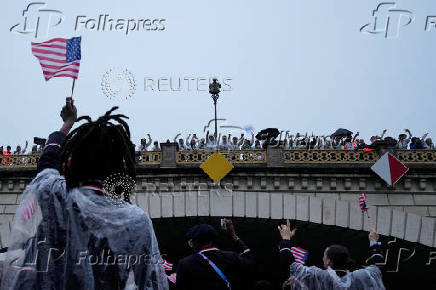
<point>214,90</point>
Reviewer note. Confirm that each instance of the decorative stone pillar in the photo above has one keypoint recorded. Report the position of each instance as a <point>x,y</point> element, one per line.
<point>274,156</point>
<point>169,155</point>
<point>385,146</point>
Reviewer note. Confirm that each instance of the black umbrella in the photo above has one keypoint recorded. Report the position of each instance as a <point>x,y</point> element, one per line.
<point>341,132</point>
<point>267,134</point>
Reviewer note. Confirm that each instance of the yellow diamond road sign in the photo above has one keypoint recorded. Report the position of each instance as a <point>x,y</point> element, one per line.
<point>216,166</point>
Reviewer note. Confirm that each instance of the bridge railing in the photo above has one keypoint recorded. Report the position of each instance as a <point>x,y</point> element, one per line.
<point>234,156</point>
<point>414,156</point>
<point>329,156</point>
<point>149,157</point>
<point>154,158</point>
<point>30,160</point>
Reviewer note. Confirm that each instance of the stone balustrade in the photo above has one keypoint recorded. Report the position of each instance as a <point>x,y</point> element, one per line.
<point>273,156</point>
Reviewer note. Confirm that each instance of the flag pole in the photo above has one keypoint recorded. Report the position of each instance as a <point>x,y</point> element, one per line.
<point>72,88</point>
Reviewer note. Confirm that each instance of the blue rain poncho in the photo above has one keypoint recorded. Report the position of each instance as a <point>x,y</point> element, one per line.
<point>70,239</point>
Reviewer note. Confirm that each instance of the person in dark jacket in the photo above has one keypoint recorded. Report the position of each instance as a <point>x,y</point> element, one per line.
<point>211,268</point>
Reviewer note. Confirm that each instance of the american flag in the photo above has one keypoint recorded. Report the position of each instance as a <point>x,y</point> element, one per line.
<point>59,57</point>
<point>167,265</point>
<point>172,278</point>
<point>300,254</point>
<point>28,209</point>
<point>362,203</point>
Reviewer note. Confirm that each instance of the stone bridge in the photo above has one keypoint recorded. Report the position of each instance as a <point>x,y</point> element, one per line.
<point>317,186</point>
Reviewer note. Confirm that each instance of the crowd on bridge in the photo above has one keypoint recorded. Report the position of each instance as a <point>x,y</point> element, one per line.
<point>344,140</point>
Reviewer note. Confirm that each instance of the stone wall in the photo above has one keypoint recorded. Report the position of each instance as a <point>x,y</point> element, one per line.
<point>409,216</point>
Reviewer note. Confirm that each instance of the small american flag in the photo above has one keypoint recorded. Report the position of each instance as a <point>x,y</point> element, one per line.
<point>362,203</point>
<point>59,57</point>
<point>300,254</point>
<point>172,278</point>
<point>167,265</point>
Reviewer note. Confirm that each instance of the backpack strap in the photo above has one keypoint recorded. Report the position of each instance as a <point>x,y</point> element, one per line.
<point>217,270</point>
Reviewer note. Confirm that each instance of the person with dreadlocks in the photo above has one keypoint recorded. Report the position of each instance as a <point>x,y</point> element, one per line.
<point>74,227</point>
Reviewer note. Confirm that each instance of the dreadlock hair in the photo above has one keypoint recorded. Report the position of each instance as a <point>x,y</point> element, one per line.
<point>98,149</point>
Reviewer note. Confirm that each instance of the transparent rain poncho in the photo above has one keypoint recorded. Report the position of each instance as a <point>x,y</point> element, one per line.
<point>77,239</point>
<point>314,278</point>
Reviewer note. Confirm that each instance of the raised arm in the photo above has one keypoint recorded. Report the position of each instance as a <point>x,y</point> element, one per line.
<point>318,144</point>
<point>187,144</point>
<point>25,148</point>
<point>286,256</point>
<point>252,139</point>
<point>177,136</point>
<point>241,248</point>
<point>241,140</point>
<point>280,137</point>
<point>286,137</point>
<point>383,133</point>
<point>149,142</point>
<point>50,157</point>
<point>375,253</point>
<point>357,134</point>
<point>246,265</point>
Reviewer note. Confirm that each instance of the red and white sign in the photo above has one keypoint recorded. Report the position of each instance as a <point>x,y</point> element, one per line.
<point>389,168</point>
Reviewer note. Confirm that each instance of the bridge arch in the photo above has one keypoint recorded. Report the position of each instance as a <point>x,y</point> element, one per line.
<point>302,207</point>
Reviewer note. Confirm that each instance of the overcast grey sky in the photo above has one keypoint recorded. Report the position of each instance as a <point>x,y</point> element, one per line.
<point>295,64</point>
